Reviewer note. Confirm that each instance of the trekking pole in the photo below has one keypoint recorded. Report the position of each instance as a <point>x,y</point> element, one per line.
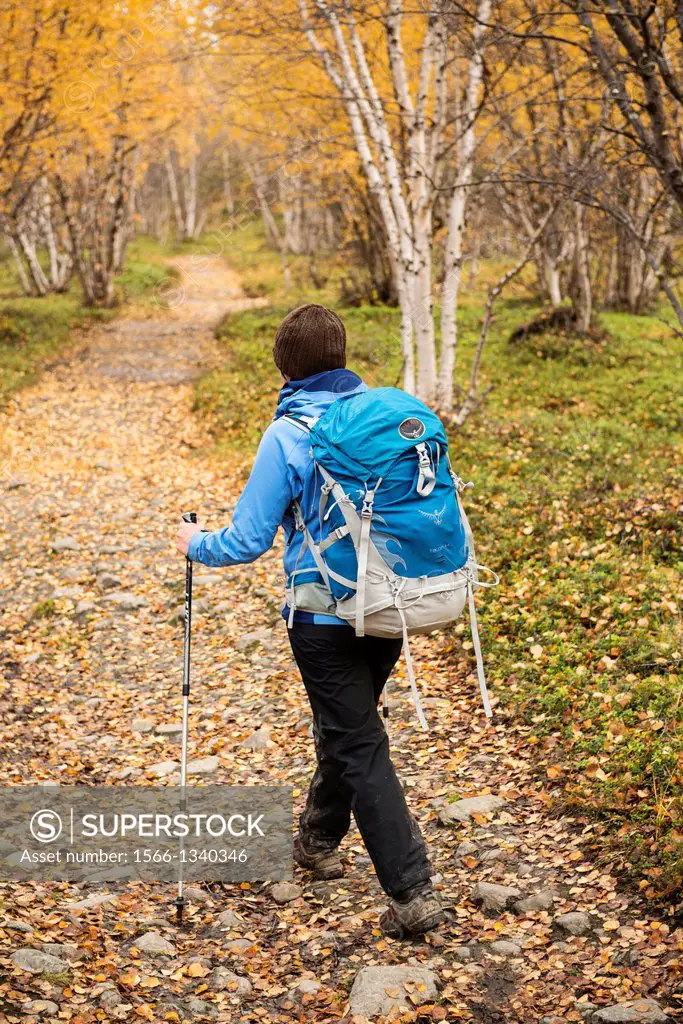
<point>188,517</point>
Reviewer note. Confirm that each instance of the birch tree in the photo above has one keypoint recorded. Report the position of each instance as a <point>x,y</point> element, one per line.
<point>403,162</point>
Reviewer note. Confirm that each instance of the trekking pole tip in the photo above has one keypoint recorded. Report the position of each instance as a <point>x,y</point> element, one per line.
<point>179,907</point>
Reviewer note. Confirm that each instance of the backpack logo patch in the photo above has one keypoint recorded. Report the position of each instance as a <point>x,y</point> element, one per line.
<point>436,517</point>
<point>412,428</point>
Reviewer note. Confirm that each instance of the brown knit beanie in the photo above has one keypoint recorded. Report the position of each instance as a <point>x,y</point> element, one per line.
<point>309,340</point>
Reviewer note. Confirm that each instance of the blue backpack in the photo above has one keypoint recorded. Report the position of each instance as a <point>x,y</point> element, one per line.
<point>395,549</point>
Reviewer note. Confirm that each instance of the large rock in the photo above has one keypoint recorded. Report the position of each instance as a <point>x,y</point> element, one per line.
<point>110,998</point>
<point>377,990</point>
<point>142,725</point>
<point>503,947</point>
<point>64,544</point>
<point>223,980</point>
<point>66,594</point>
<point>169,729</point>
<point>36,962</point>
<point>154,944</point>
<point>126,601</point>
<point>495,897</point>
<point>202,1007</point>
<point>19,926</point>
<point>303,988</point>
<point>108,581</point>
<point>645,1011</point>
<point>462,810</point>
<point>66,950</point>
<point>163,768</point>
<point>576,922</point>
<point>285,892</point>
<point>258,636</point>
<point>541,901</point>
<point>92,901</point>
<point>229,919</point>
<point>41,1006</point>
<point>258,740</point>
<point>203,766</point>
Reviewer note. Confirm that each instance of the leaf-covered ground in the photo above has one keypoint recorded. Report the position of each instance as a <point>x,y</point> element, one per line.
<point>101,456</point>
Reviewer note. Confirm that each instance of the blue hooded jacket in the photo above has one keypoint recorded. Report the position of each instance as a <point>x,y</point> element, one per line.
<point>283,472</point>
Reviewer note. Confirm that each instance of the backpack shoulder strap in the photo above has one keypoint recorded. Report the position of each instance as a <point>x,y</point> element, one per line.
<point>305,423</point>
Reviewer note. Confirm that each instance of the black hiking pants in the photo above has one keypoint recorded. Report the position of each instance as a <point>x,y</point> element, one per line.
<point>344,676</point>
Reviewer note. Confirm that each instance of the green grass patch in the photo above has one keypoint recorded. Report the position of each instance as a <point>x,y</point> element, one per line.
<point>576,461</point>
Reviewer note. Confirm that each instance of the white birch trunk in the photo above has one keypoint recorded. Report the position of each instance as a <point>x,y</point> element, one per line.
<point>175,197</point>
<point>191,197</point>
<point>457,209</point>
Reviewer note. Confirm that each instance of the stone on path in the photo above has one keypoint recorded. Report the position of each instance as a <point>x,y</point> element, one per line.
<point>154,944</point>
<point>196,894</point>
<point>66,594</point>
<point>36,962</point>
<point>163,768</point>
<point>209,577</point>
<point>19,926</point>
<point>126,601</point>
<point>170,729</point>
<point>142,725</point>
<point>576,922</point>
<point>108,581</point>
<point>239,946</point>
<point>285,892</point>
<point>377,990</point>
<point>91,901</point>
<point>36,1006</point>
<point>495,897</point>
<point>304,987</point>
<point>68,950</point>
<point>223,980</point>
<point>647,1011</point>
<point>203,765</point>
<point>258,740</point>
<point>257,636</point>
<point>541,901</point>
<point>65,544</point>
<point>466,849</point>
<point>229,919</point>
<point>503,947</point>
<point>202,1007</point>
<point>85,607</point>
<point>110,997</point>
<point>462,810</point>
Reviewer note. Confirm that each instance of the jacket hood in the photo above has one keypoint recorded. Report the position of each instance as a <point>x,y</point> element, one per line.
<point>313,395</point>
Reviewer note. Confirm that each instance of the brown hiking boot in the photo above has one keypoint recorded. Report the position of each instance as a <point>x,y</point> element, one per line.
<point>414,917</point>
<point>325,864</point>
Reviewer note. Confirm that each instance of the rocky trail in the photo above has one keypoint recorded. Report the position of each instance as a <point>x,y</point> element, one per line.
<point>99,460</point>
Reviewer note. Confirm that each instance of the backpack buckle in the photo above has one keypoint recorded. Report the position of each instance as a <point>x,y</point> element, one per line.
<point>368,501</point>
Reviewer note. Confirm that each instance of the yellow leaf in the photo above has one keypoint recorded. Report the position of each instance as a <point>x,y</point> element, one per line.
<point>197,970</point>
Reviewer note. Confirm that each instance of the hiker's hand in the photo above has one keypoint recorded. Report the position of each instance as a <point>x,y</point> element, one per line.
<point>185,533</point>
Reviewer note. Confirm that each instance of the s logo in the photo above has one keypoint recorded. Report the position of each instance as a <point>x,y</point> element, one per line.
<point>46,826</point>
